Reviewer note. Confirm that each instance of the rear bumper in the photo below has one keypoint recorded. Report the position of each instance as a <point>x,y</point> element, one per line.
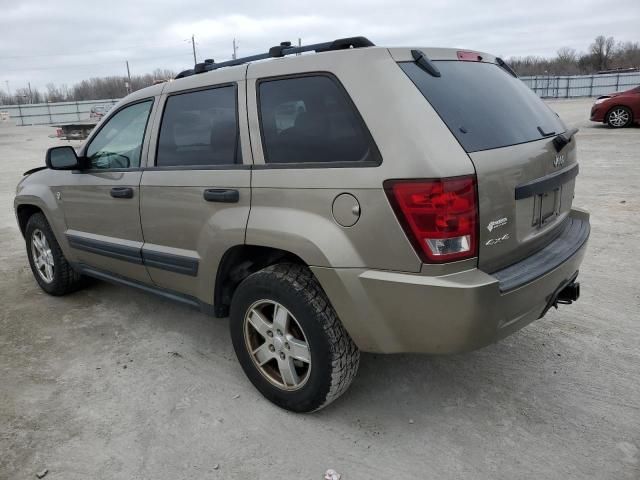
<point>389,312</point>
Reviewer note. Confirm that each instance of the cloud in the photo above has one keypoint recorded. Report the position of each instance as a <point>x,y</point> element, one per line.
<point>68,40</point>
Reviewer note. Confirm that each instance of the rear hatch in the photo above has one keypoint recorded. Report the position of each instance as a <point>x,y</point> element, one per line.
<point>525,186</point>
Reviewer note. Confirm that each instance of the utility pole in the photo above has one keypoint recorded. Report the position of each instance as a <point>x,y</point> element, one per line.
<point>129,77</point>
<point>299,44</point>
<point>8,89</point>
<point>30,93</point>
<point>193,44</point>
<point>235,49</point>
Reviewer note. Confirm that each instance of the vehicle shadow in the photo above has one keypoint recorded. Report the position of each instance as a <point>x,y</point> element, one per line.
<point>602,126</point>
<point>505,375</point>
<point>399,386</point>
<point>420,381</point>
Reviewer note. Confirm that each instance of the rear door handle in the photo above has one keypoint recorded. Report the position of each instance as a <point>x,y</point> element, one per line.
<point>122,192</point>
<point>221,195</point>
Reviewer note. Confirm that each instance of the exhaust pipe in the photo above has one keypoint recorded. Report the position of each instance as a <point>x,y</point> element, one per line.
<point>570,293</point>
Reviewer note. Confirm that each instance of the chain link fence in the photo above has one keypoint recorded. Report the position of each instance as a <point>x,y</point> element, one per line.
<point>570,86</point>
<point>545,86</point>
<point>52,113</point>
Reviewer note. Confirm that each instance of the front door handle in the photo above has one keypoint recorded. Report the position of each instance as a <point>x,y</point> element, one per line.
<point>221,195</point>
<point>122,192</point>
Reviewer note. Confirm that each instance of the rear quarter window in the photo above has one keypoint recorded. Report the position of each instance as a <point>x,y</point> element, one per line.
<point>311,120</point>
<point>484,106</point>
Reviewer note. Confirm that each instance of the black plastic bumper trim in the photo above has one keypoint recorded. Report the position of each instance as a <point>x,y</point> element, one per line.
<point>546,183</point>
<point>170,262</point>
<point>107,249</point>
<point>573,237</point>
<point>164,261</point>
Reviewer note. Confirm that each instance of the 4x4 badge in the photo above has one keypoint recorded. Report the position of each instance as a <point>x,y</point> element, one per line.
<point>559,161</point>
<point>495,241</point>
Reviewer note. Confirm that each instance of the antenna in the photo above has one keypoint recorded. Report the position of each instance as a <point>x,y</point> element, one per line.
<point>129,77</point>
<point>193,46</point>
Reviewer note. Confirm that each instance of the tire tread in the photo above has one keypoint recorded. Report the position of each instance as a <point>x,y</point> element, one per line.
<point>67,280</point>
<point>345,353</point>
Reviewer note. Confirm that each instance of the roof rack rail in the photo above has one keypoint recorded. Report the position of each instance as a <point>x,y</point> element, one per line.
<point>278,51</point>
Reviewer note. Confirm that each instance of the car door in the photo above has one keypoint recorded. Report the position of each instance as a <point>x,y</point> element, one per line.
<point>195,191</point>
<point>102,203</point>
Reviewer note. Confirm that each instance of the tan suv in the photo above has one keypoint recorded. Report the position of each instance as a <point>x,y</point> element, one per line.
<point>354,199</point>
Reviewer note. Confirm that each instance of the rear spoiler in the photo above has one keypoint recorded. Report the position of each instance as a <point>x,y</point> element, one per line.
<point>564,138</point>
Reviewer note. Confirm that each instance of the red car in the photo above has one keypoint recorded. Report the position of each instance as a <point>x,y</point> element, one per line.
<point>619,109</point>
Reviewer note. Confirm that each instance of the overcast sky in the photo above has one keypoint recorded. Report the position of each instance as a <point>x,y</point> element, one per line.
<point>64,41</point>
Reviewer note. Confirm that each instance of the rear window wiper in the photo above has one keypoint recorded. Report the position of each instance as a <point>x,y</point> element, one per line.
<point>505,66</point>
<point>545,134</point>
<point>423,62</point>
<point>564,138</point>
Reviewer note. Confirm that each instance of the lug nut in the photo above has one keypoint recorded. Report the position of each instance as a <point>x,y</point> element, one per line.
<point>272,348</point>
<point>279,333</point>
<point>286,345</point>
<point>282,355</point>
<point>269,333</point>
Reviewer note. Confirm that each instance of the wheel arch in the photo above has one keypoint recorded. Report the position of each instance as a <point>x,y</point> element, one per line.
<point>240,261</point>
<point>24,212</point>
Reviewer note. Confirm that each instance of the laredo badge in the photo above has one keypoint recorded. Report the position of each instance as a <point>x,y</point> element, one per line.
<point>497,223</point>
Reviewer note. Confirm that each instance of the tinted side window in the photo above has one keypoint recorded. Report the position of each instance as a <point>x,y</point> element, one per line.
<point>118,144</point>
<point>311,120</point>
<point>200,128</point>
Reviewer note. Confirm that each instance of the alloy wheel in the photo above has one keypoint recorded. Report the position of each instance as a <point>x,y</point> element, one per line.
<point>277,345</point>
<point>619,117</point>
<point>42,255</point>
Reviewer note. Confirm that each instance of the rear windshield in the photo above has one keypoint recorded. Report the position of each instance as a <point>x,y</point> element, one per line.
<point>484,106</point>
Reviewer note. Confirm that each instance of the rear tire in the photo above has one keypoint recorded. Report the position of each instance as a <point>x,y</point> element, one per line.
<point>50,269</point>
<point>289,340</point>
<point>619,117</point>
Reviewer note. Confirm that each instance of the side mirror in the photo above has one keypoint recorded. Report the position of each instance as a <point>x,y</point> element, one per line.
<point>62,158</point>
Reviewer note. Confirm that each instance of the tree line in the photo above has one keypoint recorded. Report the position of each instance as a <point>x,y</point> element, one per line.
<point>91,89</point>
<point>604,55</point>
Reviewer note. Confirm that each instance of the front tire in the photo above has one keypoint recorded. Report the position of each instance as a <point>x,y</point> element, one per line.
<point>48,264</point>
<point>619,117</point>
<point>289,340</point>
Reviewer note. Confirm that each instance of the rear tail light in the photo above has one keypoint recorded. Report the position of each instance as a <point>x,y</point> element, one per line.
<point>439,216</point>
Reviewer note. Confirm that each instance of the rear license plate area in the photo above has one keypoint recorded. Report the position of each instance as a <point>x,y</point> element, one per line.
<point>546,207</point>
